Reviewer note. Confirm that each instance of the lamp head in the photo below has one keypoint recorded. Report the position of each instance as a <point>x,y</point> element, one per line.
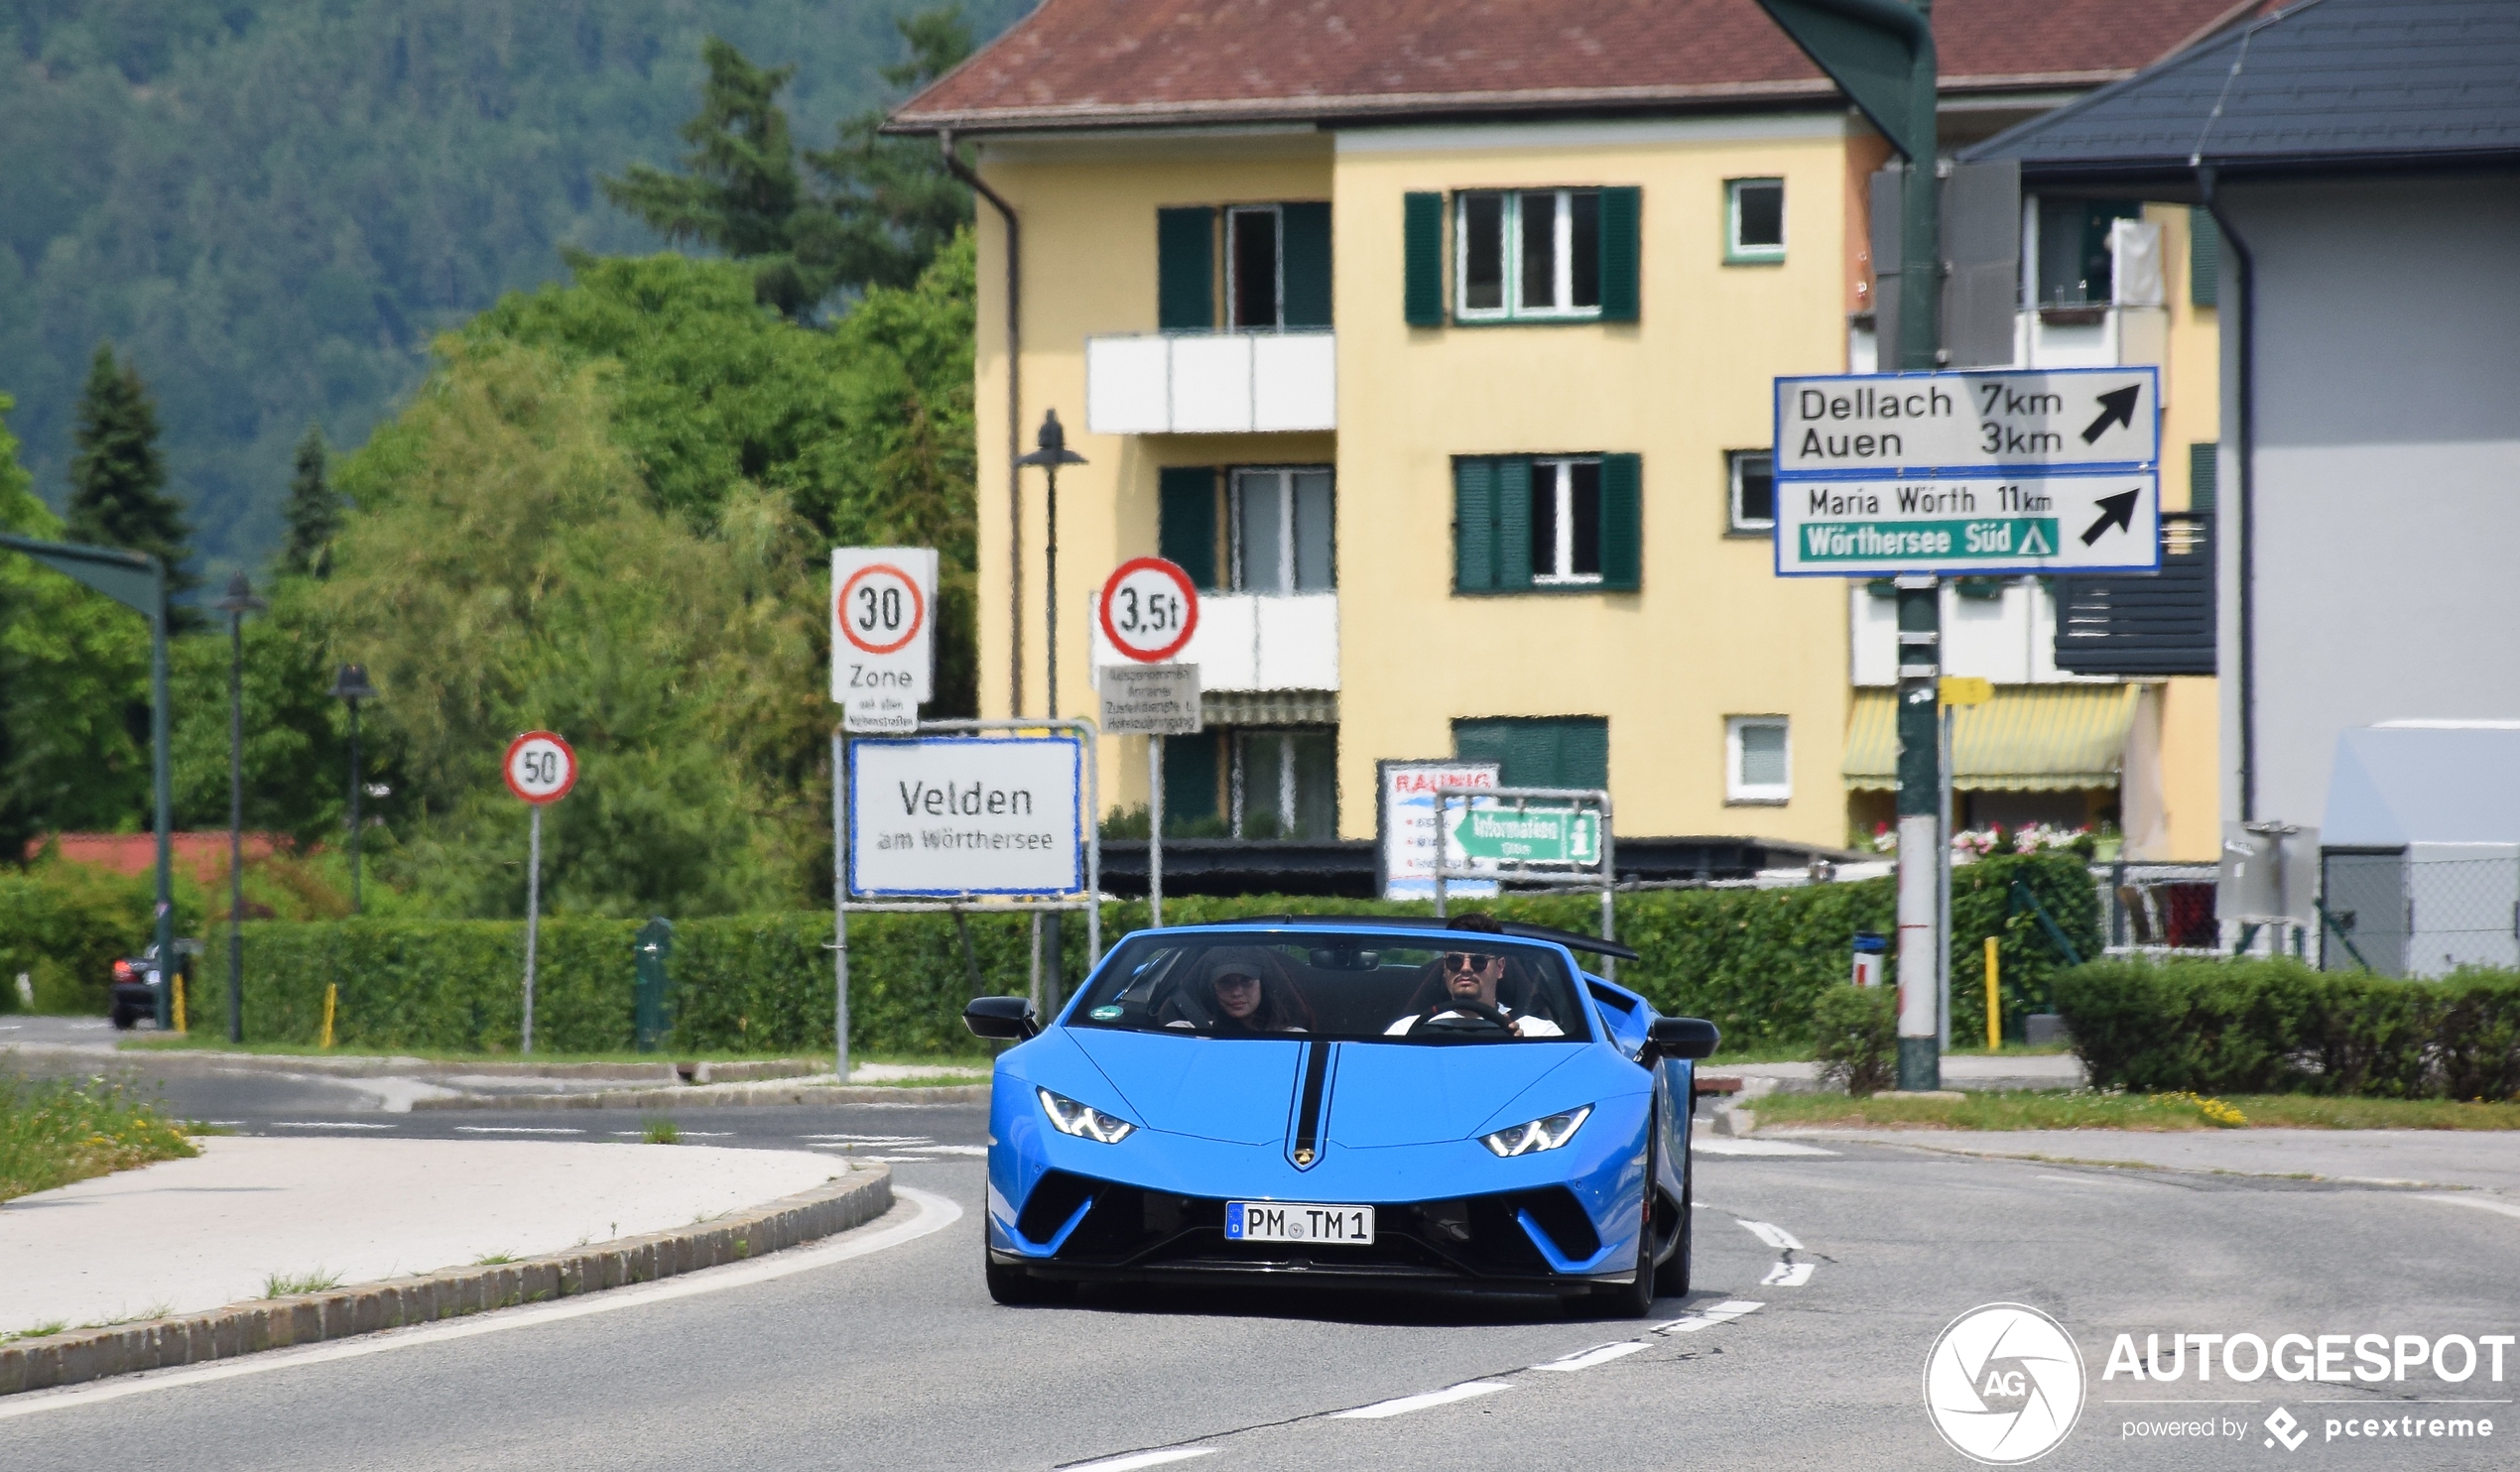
<point>1053,440</point>
<point>351,685</point>
<point>241,597</point>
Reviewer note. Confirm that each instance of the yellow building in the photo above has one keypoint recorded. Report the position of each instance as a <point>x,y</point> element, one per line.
<point>1438,347</point>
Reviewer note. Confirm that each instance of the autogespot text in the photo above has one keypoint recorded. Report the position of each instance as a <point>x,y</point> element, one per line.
<point>2450,1360</point>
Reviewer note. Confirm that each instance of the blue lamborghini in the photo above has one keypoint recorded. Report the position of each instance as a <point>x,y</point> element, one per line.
<point>1376,1102</point>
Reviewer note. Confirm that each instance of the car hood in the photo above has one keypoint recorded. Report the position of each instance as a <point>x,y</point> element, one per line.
<point>1245,1090</point>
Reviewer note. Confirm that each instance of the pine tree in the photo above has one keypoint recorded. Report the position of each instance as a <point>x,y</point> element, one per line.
<point>314,513</point>
<point>892,202</point>
<point>118,479</point>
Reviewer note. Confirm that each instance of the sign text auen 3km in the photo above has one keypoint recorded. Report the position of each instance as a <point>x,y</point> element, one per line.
<point>2013,471</point>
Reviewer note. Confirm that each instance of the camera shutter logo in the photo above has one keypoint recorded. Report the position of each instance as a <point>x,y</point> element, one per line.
<point>2004,1384</point>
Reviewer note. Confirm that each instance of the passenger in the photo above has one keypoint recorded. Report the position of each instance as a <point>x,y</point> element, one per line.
<point>1247,994</point>
<point>1469,981</point>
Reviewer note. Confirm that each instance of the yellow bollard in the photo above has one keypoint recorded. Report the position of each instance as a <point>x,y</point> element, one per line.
<point>331,995</point>
<point>179,1001</point>
<point>1994,999</point>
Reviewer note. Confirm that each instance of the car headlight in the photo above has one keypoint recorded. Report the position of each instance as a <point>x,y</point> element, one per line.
<point>1540,1134</point>
<point>1084,1121</point>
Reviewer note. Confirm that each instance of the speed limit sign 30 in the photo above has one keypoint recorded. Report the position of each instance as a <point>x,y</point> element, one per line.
<point>1149,609</point>
<point>883,618</point>
<point>540,767</point>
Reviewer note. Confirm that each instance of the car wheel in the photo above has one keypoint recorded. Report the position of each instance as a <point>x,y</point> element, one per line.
<point>1632,1300</point>
<point>1016,1286</point>
<point>1671,1281</point>
<point>124,1021</point>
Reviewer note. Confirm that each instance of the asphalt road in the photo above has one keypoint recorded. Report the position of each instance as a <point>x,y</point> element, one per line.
<point>897,1358</point>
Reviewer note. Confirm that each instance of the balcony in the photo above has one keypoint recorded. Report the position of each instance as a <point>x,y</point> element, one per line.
<point>1211,383</point>
<point>1248,642</point>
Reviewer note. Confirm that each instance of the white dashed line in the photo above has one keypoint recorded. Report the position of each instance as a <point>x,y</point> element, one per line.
<point>1466,1389</point>
<point>324,1124</point>
<point>1755,1147</point>
<point>1599,1354</point>
<point>950,1149</point>
<point>1142,1459</point>
<point>1773,1235</point>
<point>1787,1275</point>
<point>516,1130</point>
<point>871,1139</point>
<point>2478,1203</point>
<point>1720,1313</point>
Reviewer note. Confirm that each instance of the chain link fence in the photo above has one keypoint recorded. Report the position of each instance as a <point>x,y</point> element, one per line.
<point>2417,914</point>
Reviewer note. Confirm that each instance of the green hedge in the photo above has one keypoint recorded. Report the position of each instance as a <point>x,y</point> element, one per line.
<point>2278,1026</point>
<point>64,925</point>
<point>1753,961</point>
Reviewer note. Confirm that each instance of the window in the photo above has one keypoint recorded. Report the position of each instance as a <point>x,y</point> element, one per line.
<point>2075,264</point>
<point>1571,524</point>
<point>1284,536</point>
<point>2204,469</point>
<point>1752,473</point>
<point>1754,221</point>
<point>2204,258</point>
<point>1285,783</point>
<point>1566,522</point>
<point>1530,253</point>
<point>1758,757</point>
<point>1274,269</point>
<point>1539,752</point>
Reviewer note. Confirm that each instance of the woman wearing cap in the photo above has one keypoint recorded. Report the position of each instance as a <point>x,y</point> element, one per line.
<point>1246,994</point>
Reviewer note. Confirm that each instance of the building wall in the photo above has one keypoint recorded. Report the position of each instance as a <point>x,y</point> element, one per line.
<point>2388,341</point>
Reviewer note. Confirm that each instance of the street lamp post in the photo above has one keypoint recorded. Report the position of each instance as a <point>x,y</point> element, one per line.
<point>1053,453</point>
<point>240,601</point>
<point>350,687</point>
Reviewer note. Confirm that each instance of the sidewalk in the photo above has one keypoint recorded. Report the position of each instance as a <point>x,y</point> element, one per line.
<point>2477,1160</point>
<point>2060,1071</point>
<point>183,1236</point>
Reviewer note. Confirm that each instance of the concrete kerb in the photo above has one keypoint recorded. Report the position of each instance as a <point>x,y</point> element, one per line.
<point>742,1094</point>
<point>194,1063</point>
<point>308,1318</point>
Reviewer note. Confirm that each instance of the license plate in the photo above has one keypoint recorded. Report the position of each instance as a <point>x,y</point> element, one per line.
<point>1299,1221</point>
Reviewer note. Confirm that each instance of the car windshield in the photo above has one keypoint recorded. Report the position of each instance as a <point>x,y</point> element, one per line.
<point>1445,987</point>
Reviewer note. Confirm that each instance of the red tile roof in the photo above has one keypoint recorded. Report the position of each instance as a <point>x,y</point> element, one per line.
<point>1116,62</point>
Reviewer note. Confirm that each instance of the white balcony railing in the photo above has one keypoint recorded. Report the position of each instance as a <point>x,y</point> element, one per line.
<point>1211,383</point>
<point>1256,642</point>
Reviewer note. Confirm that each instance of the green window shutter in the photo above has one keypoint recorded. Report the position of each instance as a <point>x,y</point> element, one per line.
<point>2204,257</point>
<point>1185,270</point>
<point>1622,521</point>
<point>1186,521</point>
<point>2203,468</point>
<point>1622,223</point>
<point>1542,752</point>
<point>1513,525</point>
<point>1421,252</point>
<point>1190,779</point>
<point>1474,526</point>
<point>1304,263</point>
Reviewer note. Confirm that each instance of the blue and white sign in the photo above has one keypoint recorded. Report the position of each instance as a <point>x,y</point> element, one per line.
<point>2037,470</point>
<point>948,815</point>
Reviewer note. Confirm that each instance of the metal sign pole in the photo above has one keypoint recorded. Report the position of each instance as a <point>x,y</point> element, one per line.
<point>1943,878</point>
<point>1442,854</point>
<point>533,920</point>
<point>839,905</point>
<point>1155,831</point>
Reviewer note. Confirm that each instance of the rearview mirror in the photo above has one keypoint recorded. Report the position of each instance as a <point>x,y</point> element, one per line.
<point>1001,1017</point>
<point>1682,1037</point>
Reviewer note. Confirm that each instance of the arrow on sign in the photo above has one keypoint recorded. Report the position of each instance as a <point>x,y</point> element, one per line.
<point>2115,511</point>
<point>2116,405</point>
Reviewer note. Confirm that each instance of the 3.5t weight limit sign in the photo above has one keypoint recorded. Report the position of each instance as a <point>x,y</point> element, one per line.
<point>540,767</point>
<point>1149,609</point>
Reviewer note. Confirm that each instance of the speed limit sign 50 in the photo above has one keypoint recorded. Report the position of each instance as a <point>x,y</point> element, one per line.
<point>1149,609</point>
<point>540,767</point>
<point>882,625</point>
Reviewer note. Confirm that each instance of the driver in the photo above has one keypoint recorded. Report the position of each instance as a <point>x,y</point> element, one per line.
<point>1469,980</point>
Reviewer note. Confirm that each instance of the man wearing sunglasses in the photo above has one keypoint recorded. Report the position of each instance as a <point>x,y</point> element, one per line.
<point>1469,1001</point>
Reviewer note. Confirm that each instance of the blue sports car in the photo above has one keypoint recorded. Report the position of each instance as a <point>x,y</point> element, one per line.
<point>1387,1103</point>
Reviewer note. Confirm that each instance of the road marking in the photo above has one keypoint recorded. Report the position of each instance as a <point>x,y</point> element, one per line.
<point>2505,1207</point>
<point>1771,1234</point>
<point>1142,1459</point>
<point>950,1150</point>
<point>1755,1147</point>
<point>1721,1313</point>
<point>934,1213</point>
<point>1599,1354</point>
<point>1787,1275</point>
<point>1466,1389</point>
<point>516,1130</point>
<point>873,1139</point>
<point>325,1124</point>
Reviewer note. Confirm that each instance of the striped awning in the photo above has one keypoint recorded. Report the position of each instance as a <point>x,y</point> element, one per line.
<point>2028,738</point>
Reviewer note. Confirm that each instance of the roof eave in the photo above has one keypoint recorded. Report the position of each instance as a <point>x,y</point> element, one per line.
<point>2173,177</point>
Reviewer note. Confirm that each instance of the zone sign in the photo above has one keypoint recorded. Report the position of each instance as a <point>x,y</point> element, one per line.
<point>540,767</point>
<point>1149,609</point>
<point>883,625</point>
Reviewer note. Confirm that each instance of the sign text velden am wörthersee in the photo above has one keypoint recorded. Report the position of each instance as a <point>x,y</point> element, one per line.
<point>2043,470</point>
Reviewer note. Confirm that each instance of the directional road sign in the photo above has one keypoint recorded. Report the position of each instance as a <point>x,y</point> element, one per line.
<point>540,767</point>
<point>2054,471</point>
<point>1537,835</point>
<point>1149,609</point>
<point>883,634</point>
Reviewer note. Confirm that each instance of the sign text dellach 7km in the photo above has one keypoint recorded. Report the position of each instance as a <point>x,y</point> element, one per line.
<point>2048,470</point>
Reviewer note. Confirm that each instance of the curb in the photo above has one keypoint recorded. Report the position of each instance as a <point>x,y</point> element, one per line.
<point>743,1094</point>
<point>190,1063</point>
<point>309,1318</point>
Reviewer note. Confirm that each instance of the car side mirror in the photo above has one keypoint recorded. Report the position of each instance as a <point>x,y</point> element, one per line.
<point>1001,1017</point>
<point>1682,1037</point>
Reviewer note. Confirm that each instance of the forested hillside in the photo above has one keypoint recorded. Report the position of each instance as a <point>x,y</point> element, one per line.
<point>271,206</point>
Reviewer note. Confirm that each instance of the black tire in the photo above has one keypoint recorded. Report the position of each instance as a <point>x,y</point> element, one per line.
<point>1017,1288</point>
<point>1671,1279</point>
<point>124,1022</point>
<point>1633,1299</point>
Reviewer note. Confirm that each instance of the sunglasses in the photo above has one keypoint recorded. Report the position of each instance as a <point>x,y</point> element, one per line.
<point>1464,962</point>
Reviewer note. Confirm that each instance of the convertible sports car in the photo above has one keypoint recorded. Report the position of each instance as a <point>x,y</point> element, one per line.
<point>1390,1103</point>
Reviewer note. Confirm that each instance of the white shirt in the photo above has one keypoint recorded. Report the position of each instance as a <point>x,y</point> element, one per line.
<point>1523,1025</point>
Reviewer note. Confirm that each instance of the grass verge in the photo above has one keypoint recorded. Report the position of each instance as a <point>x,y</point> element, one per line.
<point>2050,1110</point>
<point>57,1131</point>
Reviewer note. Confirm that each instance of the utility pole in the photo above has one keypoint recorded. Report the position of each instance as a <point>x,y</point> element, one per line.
<point>1881,53</point>
<point>240,601</point>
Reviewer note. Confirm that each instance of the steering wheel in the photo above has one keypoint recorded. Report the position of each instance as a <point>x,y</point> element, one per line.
<point>1474,1015</point>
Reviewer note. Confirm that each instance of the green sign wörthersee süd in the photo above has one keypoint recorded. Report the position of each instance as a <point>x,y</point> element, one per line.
<point>1540,835</point>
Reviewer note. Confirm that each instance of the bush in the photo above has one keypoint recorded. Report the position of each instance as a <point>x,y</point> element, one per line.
<point>64,925</point>
<point>2275,1025</point>
<point>1856,1038</point>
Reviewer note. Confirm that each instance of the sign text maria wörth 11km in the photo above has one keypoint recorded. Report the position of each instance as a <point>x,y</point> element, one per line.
<point>2046,471</point>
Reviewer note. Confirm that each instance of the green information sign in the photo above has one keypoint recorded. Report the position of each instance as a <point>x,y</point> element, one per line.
<point>2006,539</point>
<point>1540,835</point>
